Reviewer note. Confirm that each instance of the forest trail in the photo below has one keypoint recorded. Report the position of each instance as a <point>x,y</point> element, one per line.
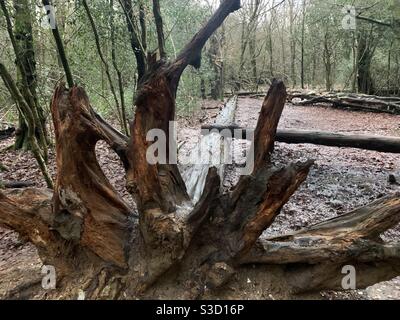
<point>341,180</point>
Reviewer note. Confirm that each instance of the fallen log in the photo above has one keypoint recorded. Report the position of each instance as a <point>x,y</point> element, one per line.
<point>365,142</point>
<point>195,175</point>
<point>16,184</point>
<point>6,133</point>
<point>352,239</point>
<point>359,102</point>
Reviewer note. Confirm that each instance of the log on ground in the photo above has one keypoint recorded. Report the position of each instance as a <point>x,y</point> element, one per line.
<point>365,142</point>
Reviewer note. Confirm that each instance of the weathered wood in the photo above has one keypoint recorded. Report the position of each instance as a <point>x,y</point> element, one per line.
<point>365,142</point>
<point>16,184</point>
<point>235,220</point>
<point>29,212</point>
<point>158,189</point>
<point>350,239</point>
<point>352,101</point>
<point>87,209</point>
<point>265,133</point>
<point>212,150</point>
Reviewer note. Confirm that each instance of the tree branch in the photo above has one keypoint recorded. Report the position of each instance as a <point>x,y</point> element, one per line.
<point>384,24</point>
<point>160,28</point>
<point>136,44</point>
<point>191,54</point>
<point>60,48</point>
<point>103,60</point>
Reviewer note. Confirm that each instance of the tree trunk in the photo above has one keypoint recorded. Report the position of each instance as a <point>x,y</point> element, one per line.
<point>327,62</point>
<point>292,43</point>
<point>364,59</point>
<point>216,80</point>
<point>160,28</point>
<point>117,70</point>
<point>27,78</point>
<point>253,61</point>
<point>303,18</point>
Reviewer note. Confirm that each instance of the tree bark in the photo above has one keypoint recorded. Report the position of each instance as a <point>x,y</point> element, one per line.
<point>60,49</point>
<point>117,70</point>
<point>364,59</point>
<point>160,28</point>
<point>22,43</point>
<point>121,117</point>
<point>216,81</point>
<point>136,44</point>
<point>30,121</point>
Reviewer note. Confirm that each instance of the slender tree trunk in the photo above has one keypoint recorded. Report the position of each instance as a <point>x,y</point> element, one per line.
<point>327,54</point>
<point>355,63</point>
<point>364,59</point>
<point>389,68</point>
<point>27,78</point>
<point>139,49</point>
<point>215,60</point>
<point>203,88</point>
<point>117,70</point>
<point>243,47</point>
<point>160,28</point>
<point>302,43</point>
<point>26,110</point>
<point>283,52</point>
<point>270,46</point>
<point>105,65</point>
<point>314,68</point>
<point>142,22</point>
<point>253,60</point>
<point>397,72</point>
<point>292,43</point>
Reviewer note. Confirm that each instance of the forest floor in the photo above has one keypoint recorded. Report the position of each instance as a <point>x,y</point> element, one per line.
<point>341,180</point>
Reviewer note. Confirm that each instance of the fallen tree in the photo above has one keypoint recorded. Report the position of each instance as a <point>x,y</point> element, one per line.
<point>177,249</point>
<point>358,102</point>
<point>6,133</point>
<point>365,142</point>
<point>15,184</point>
<point>203,154</point>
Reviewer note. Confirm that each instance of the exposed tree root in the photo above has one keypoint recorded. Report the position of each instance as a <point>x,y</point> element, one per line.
<point>178,249</point>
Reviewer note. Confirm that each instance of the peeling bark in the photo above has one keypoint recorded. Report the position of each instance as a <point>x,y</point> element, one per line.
<point>87,209</point>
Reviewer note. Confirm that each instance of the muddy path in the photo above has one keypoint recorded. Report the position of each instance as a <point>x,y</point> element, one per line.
<point>341,180</point>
